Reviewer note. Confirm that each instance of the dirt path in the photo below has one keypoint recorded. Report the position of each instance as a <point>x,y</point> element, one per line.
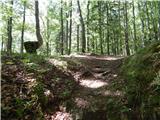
<point>96,75</point>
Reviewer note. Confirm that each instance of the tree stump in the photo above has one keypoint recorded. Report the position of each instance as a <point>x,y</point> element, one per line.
<point>31,46</point>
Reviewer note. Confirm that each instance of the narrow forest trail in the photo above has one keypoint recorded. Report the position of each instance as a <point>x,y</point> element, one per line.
<point>95,75</point>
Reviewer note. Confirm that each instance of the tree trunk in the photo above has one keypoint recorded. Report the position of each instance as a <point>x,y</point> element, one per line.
<point>153,21</point>
<point>159,18</point>
<point>47,46</point>
<point>78,38</point>
<point>70,30</point>
<point>96,46</point>
<point>120,37</point>
<point>9,30</point>
<point>134,27</point>
<point>114,43</point>
<point>2,44</point>
<point>148,22</point>
<point>48,38</point>
<point>93,44</point>
<point>66,36</point>
<point>142,22</point>
<point>100,25</point>
<point>38,34</point>
<point>83,29</point>
<point>126,30</point>
<point>61,46</point>
<point>23,25</point>
<point>88,41</point>
<point>108,33</point>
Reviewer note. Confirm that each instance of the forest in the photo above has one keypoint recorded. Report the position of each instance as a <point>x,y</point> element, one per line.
<point>80,59</point>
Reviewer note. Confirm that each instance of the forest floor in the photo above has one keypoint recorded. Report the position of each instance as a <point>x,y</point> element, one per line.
<point>76,87</point>
<point>81,87</point>
<point>97,77</point>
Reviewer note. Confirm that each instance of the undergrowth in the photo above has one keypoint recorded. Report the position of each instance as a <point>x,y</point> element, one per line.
<point>142,88</point>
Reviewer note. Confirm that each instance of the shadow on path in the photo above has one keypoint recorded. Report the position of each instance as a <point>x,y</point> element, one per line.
<point>95,75</point>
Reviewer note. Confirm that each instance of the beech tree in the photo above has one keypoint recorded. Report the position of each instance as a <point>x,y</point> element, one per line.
<point>23,25</point>
<point>70,29</point>
<point>100,25</point>
<point>66,35</point>
<point>126,29</point>
<point>32,46</point>
<point>9,29</point>
<point>83,28</point>
<point>62,33</point>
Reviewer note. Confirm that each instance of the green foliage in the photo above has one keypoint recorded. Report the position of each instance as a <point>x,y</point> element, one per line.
<point>23,106</point>
<point>141,80</point>
<point>20,107</point>
<point>65,93</point>
<point>39,91</point>
<point>116,109</point>
<point>156,82</point>
<point>34,58</point>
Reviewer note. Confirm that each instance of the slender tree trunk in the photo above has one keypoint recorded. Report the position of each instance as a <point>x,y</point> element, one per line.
<point>148,21</point>
<point>153,21</point>
<point>159,18</point>
<point>23,25</point>
<point>9,30</point>
<point>61,43</point>
<point>48,37</point>
<point>70,30</point>
<point>114,42</point>
<point>134,27</point>
<point>120,38</point>
<point>88,41</point>
<point>100,25</point>
<point>108,33</point>
<point>78,38</point>
<point>58,39</point>
<point>142,22</point>
<point>47,46</point>
<point>96,46</point>
<point>93,44</point>
<point>38,34</point>
<point>83,29</point>
<point>126,30</point>
<point>2,44</point>
<point>66,39</point>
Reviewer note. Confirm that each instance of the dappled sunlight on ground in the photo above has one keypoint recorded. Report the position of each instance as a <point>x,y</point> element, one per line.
<point>59,116</point>
<point>93,83</point>
<point>58,63</point>
<point>111,93</point>
<point>95,75</point>
<point>115,75</point>
<point>81,103</point>
<point>110,58</point>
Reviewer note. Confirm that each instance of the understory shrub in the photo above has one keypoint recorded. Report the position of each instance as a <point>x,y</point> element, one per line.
<point>142,83</point>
